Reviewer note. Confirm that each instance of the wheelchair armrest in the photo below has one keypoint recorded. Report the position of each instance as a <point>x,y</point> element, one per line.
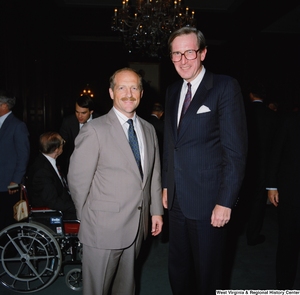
<point>42,209</point>
<point>71,226</point>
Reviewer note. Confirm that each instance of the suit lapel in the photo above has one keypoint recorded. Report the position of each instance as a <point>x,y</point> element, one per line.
<point>147,144</point>
<point>173,107</point>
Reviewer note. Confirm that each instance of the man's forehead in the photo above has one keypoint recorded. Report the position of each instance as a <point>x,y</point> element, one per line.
<point>80,109</point>
<point>126,77</point>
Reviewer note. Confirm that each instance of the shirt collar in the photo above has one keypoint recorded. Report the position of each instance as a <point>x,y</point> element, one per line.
<point>51,160</point>
<point>122,118</point>
<point>90,118</point>
<point>195,83</point>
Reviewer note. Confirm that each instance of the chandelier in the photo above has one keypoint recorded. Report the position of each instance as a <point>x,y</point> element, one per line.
<point>147,25</point>
<point>87,91</point>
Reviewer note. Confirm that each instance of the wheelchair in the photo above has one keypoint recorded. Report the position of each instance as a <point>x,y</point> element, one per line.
<point>34,252</point>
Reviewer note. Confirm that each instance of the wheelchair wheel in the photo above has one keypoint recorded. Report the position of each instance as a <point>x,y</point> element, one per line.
<point>74,279</point>
<point>30,257</point>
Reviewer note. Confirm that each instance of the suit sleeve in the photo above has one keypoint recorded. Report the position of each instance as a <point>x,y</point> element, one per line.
<point>83,164</point>
<point>233,138</point>
<point>63,131</point>
<point>156,190</point>
<point>275,157</point>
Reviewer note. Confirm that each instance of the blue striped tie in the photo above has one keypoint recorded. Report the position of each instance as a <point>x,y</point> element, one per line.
<point>134,145</point>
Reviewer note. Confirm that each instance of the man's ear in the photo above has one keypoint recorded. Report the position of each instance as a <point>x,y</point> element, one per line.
<point>111,93</point>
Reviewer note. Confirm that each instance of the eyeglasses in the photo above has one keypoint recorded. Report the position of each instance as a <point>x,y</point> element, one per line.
<point>188,54</point>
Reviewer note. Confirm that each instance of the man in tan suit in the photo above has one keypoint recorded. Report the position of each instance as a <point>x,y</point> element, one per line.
<point>112,195</point>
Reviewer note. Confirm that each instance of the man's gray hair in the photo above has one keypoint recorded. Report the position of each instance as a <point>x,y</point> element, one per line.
<point>5,98</point>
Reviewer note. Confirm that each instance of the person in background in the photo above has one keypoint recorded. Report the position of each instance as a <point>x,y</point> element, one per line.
<point>14,156</point>
<point>46,186</point>
<point>283,176</point>
<point>205,146</point>
<point>261,129</point>
<point>84,112</point>
<point>156,119</point>
<point>115,181</point>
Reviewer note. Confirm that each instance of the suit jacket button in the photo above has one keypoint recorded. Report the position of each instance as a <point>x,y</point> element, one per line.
<point>140,207</point>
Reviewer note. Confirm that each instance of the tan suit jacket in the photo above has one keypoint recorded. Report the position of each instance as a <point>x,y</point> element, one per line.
<point>109,195</point>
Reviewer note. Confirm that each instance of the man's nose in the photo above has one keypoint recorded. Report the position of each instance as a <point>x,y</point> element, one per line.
<point>183,59</point>
<point>129,93</point>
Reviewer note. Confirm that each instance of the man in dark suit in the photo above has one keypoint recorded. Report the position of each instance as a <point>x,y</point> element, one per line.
<point>204,160</point>
<point>46,187</point>
<point>14,156</point>
<point>283,192</point>
<point>261,128</point>
<point>156,120</point>
<point>84,112</point>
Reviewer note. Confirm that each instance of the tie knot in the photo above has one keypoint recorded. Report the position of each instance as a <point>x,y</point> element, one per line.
<point>189,85</point>
<point>130,122</point>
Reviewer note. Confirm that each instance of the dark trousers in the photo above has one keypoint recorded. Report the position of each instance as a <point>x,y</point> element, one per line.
<point>288,247</point>
<point>195,254</point>
<point>7,202</point>
<point>257,203</point>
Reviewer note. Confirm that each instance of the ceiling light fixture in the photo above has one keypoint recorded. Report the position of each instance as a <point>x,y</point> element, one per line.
<point>147,25</point>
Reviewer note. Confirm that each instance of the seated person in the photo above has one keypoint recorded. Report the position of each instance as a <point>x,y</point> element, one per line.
<point>46,187</point>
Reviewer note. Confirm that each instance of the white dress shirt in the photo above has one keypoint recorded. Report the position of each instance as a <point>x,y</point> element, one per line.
<point>195,84</point>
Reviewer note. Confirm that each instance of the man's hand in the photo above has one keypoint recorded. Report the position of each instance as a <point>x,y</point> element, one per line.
<point>12,191</point>
<point>273,196</point>
<point>165,198</point>
<point>157,223</point>
<point>220,216</point>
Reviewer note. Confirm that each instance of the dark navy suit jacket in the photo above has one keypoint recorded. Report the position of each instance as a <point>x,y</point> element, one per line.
<point>204,162</point>
<point>14,151</point>
<point>284,166</point>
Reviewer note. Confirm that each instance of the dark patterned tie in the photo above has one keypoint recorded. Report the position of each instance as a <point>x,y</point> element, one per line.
<point>187,99</point>
<point>186,103</point>
<point>134,145</point>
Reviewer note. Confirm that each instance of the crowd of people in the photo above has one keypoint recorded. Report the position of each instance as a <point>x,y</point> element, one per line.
<point>190,161</point>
